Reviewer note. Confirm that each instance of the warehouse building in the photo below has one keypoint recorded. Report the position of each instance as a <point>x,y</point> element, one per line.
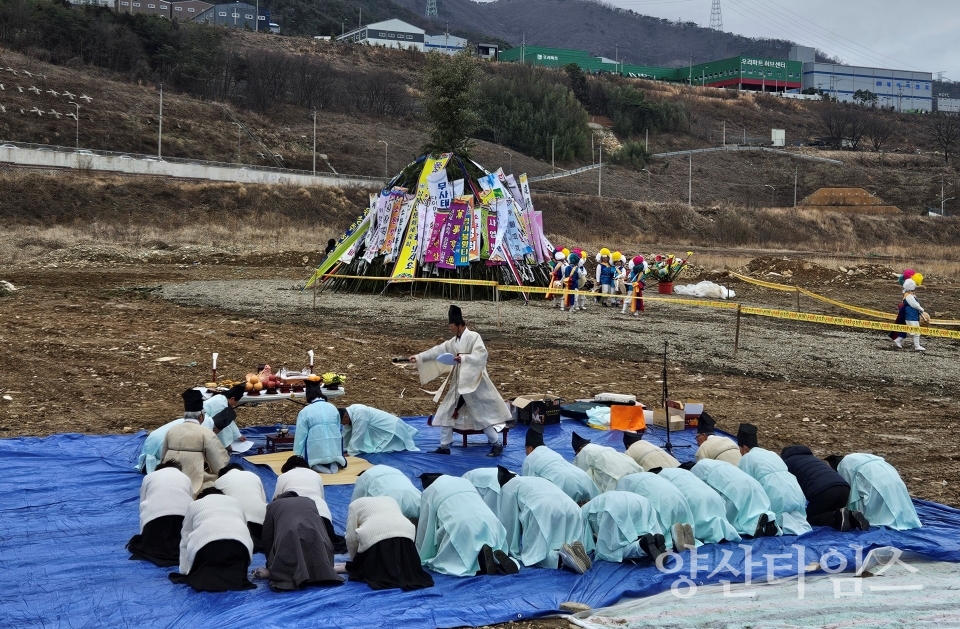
<point>389,33</point>
<point>236,15</point>
<point>446,44</point>
<point>896,89</point>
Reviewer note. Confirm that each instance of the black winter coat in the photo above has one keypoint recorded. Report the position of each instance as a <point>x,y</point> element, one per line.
<point>813,473</point>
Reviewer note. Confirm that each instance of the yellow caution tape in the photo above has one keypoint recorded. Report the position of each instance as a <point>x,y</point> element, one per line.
<point>402,280</point>
<point>839,304</point>
<point>847,322</point>
<point>770,285</point>
<point>559,292</point>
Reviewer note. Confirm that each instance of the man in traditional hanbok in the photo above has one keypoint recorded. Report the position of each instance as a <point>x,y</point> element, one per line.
<point>605,466</point>
<point>539,519</point>
<point>646,454</point>
<point>877,491</point>
<point>709,511</point>
<point>226,427</point>
<point>827,493</point>
<point>150,451</point>
<point>783,490</point>
<point>318,437</point>
<point>543,462</point>
<point>383,480</point>
<point>457,534</point>
<point>713,446</point>
<point>748,508</point>
<point>673,511</point>
<point>194,447</point>
<point>620,525</point>
<point>367,430</point>
<point>470,401</point>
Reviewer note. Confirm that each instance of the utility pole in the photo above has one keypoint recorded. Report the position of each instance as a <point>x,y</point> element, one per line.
<point>239,130</point>
<point>690,183</point>
<point>360,19</point>
<point>386,168</point>
<point>744,136</point>
<point>646,141</point>
<point>724,134</point>
<point>600,174</point>
<point>593,151</point>
<point>160,131</point>
<point>314,142</point>
<point>343,28</point>
<point>77,105</point>
<point>796,172</point>
<point>690,79</point>
<point>553,164</point>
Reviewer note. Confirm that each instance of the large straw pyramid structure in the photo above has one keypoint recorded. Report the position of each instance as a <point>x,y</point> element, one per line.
<point>442,218</point>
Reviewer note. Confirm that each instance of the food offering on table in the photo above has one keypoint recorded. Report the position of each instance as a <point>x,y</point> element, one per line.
<point>333,380</point>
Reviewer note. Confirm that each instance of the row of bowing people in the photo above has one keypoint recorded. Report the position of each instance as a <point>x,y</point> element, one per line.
<point>605,505</point>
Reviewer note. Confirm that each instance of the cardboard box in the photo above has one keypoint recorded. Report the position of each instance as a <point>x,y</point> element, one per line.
<point>676,418</point>
<point>536,409</point>
<point>692,409</point>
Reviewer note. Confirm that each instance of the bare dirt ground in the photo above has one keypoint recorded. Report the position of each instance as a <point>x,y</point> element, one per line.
<point>81,344</point>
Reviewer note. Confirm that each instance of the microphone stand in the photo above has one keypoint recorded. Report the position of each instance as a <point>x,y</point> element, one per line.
<point>668,446</point>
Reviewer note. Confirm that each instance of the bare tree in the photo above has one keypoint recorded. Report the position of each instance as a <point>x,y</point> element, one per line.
<point>879,129</point>
<point>835,123</point>
<point>944,131</point>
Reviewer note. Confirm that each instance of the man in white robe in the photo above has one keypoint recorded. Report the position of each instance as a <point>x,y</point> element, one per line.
<point>605,466</point>
<point>225,427</point>
<point>368,430</point>
<point>713,446</point>
<point>468,398</point>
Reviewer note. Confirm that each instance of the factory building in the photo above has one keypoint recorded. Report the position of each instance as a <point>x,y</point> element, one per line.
<point>389,33</point>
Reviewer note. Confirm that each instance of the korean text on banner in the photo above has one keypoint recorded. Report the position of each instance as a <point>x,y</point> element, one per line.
<point>436,238</point>
<point>406,266</point>
<point>397,199</point>
<point>452,235</point>
<point>381,221</point>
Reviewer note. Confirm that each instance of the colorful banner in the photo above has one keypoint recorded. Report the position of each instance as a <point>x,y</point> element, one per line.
<point>452,234</point>
<point>381,223</point>
<point>434,248</point>
<point>406,266</point>
<point>398,240</point>
<point>397,199</point>
<point>486,229</point>
<point>463,206</point>
<point>477,227</point>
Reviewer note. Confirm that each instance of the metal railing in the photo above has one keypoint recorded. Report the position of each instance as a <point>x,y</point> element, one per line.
<point>738,147</point>
<point>566,173</point>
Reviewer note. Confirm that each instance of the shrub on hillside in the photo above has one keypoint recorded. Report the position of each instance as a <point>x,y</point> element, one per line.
<point>528,109</point>
<point>631,154</point>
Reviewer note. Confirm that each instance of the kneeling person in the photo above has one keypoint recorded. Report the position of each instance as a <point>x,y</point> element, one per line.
<point>380,540</point>
<point>786,498</point>
<point>367,430</point>
<point>165,496</point>
<point>539,519</point>
<point>543,462</point>
<point>296,476</point>
<point>383,480</point>
<point>747,505</point>
<point>877,491</point>
<point>604,465</point>
<point>620,525</point>
<point>246,487</point>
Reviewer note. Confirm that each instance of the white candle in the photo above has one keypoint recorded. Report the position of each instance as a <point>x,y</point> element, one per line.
<point>215,359</point>
<point>310,354</point>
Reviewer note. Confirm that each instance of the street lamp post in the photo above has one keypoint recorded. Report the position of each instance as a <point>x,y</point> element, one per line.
<point>386,168</point>
<point>644,170</point>
<point>77,105</point>
<point>314,142</point>
<point>943,204</point>
<point>690,184</point>
<point>160,130</point>
<point>773,191</point>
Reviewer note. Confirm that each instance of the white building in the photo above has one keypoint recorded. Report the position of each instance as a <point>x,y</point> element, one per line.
<point>947,105</point>
<point>447,44</point>
<point>899,89</point>
<point>389,33</point>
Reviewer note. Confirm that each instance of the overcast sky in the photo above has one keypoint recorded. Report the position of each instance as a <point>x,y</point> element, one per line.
<point>919,35</point>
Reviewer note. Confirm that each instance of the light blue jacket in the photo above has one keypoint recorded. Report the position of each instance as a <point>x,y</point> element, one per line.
<point>486,480</point>
<point>668,501</point>
<point>454,525</point>
<point>783,490</point>
<point>614,521</point>
<point>706,505</point>
<point>571,480</point>
<point>383,480</point>
<point>372,430</point>
<point>539,518</point>
<point>743,496</point>
<point>211,407</point>
<point>317,437</point>
<point>877,491</point>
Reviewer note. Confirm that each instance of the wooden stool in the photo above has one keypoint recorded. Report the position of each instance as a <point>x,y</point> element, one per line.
<point>467,433</point>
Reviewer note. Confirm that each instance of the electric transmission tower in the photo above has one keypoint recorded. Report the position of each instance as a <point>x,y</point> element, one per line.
<point>431,8</point>
<point>716,20</point>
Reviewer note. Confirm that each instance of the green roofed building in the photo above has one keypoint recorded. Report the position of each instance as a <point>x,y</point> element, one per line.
<point>748,73</point>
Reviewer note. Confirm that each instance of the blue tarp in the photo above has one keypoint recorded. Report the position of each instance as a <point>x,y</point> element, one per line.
<point>70,505</point>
